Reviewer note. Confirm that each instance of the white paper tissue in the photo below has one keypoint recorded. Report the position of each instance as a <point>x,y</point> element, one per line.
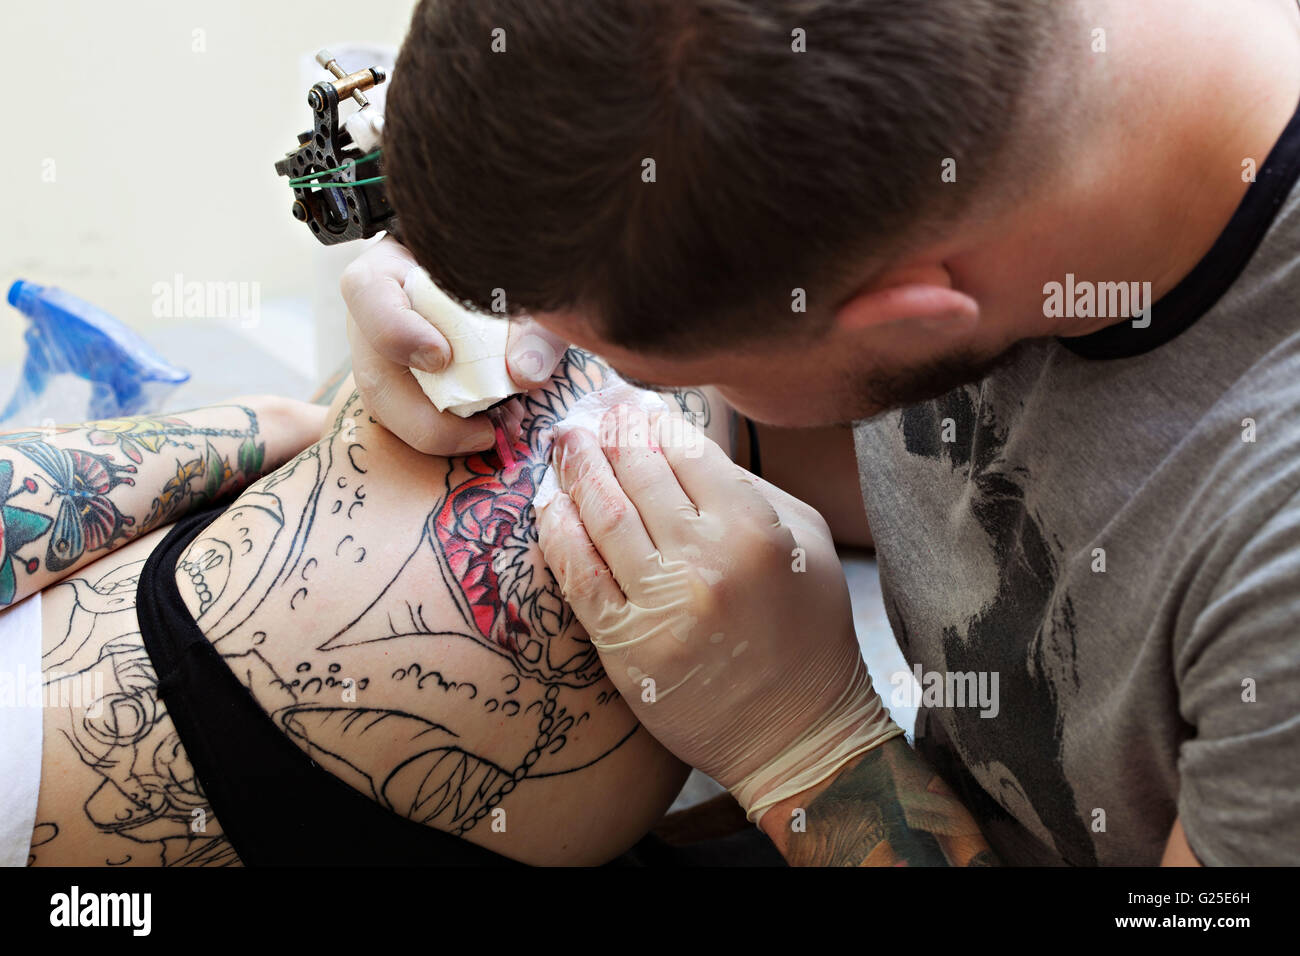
<point>587,412</point>
<point>478,376</point>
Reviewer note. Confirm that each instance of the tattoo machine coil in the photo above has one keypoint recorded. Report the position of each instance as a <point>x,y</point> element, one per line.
<point>336,171</point>
<point>337,178</point>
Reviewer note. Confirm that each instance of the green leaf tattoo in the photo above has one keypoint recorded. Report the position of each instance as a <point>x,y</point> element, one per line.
<point>18,528</point>
<point>250,457</point>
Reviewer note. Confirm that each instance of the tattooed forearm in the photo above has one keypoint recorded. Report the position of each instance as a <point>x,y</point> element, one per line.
<point>886,809</point>
<point>74,491</point>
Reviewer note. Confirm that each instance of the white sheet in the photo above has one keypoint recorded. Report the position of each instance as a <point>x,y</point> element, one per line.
<point>21,727</point>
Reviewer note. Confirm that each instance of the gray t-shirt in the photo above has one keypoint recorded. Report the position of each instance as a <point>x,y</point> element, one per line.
<point>1117,538</point>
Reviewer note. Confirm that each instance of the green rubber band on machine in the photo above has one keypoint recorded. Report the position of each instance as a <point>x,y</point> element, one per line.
<point>337,169</point>
<point>359,182</point>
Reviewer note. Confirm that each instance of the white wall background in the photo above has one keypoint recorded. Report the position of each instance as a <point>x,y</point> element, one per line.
<point>163,142</point>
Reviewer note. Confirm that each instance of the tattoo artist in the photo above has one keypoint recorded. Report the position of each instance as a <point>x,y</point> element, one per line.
<point>1020,274</point>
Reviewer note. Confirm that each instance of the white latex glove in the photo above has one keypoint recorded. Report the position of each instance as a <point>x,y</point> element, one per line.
<point>717,604</point>
<point>389,337</point>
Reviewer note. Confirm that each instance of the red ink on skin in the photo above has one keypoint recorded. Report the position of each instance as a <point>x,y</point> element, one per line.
<point>483,532</point>
<point>504,453</point>
<point>503,448</point>
<point>471,526</point>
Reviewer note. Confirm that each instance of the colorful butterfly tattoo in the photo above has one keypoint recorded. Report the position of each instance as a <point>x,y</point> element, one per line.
<point>86,520</point>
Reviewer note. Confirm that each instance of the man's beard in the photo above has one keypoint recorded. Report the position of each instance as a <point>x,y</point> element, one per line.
<point>882,390</point>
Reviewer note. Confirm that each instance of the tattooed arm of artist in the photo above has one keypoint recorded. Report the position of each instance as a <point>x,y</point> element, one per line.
<point>69,493</point>
<point>885,808</point>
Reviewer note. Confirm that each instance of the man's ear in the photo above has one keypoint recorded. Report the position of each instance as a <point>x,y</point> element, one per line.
<point>921,295</point>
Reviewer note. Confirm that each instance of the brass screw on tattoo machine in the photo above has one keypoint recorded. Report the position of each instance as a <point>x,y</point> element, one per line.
<point>337,178</point>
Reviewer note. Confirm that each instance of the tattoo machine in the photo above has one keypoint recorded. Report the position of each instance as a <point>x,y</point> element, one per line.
<point>338,185</point>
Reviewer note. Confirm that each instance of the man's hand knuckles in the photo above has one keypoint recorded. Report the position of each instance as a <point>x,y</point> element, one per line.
<point>352,279</point>
<point>581,590</point>
<point>758,547</point>
<point>602,512</point>
<point>392,336</point>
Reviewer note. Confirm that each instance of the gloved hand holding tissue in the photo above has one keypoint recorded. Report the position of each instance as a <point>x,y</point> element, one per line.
<point>477,377</point>
<point>400,323</point>
<point>717,604</point>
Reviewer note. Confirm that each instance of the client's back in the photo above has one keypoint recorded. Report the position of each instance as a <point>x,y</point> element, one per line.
<point>391,615</point>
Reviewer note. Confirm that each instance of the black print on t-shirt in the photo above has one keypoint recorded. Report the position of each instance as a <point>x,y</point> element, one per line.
<point>1021,632</point>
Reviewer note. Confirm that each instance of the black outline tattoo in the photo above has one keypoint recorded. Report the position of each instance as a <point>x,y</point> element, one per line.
<point>254,571</point>
<point>148,793</point>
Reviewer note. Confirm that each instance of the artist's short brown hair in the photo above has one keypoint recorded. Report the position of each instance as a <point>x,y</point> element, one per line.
<point>524,169</point>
